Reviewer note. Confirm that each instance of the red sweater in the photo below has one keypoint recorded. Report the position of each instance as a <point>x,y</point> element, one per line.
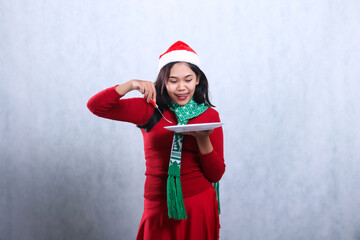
<point>198,171</point>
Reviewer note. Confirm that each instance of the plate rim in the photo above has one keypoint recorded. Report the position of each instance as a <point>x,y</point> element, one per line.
<point>171,128</point>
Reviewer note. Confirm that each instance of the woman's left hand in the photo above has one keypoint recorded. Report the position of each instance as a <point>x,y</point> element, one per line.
<point>198,134</point>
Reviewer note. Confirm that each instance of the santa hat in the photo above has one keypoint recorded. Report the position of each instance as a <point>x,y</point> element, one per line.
<point>179,52</point>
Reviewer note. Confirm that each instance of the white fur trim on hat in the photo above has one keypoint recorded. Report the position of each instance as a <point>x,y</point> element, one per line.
<point>179,56</point>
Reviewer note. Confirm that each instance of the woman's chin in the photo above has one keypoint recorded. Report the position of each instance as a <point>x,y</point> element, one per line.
<point>182,102</point>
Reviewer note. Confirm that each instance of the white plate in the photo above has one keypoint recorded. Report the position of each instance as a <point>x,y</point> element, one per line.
<point>194,127</point>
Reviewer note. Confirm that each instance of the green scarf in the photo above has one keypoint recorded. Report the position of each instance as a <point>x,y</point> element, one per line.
<point>175,202</point>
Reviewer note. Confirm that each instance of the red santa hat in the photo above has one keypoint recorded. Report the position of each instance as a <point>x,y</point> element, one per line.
<point>179,52</point>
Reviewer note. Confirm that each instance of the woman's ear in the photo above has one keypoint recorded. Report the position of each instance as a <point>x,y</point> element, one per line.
<point>197,80</point>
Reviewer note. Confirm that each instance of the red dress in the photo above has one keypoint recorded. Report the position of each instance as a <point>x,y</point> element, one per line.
<point>198,171</point>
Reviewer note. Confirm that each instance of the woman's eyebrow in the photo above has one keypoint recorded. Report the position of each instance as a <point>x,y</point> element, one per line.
<point>189,75</point>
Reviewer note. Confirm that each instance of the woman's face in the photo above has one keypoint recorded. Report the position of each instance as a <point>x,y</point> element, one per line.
<point>181,83</point>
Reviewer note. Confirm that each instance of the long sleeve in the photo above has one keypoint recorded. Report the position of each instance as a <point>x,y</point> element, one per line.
<point>212,164</point>
<point>108,104</point>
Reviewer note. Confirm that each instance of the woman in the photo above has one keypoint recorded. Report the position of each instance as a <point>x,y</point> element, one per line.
<point>179,199</point>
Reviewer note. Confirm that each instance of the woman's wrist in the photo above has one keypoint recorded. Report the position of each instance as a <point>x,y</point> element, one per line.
<point>204,144</point>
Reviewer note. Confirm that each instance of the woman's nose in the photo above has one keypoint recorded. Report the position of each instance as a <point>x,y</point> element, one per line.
<point>181,86</point>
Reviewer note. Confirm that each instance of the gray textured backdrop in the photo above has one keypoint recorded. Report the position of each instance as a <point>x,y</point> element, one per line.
<point>284,76</point>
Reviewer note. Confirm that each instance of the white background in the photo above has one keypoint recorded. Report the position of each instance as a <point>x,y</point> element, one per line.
<point>284,76</point>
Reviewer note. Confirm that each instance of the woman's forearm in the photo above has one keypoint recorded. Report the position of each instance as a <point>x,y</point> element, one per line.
<point>204,144</point>
<point>124,88</point>
<point>146,88</point>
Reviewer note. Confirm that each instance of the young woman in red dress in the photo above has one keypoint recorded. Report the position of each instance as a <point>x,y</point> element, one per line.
<point>181,198</point>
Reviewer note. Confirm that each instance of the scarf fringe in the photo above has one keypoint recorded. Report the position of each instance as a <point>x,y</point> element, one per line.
<point>175,202</point>
<point>217,189</point>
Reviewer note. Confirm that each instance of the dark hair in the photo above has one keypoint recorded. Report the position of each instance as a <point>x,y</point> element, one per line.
<point>163,100</point>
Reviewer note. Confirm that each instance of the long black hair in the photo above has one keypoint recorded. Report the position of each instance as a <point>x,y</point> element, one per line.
<point>163,100</point>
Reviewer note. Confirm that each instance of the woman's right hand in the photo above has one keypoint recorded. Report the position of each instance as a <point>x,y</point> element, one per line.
<point>146,88</point>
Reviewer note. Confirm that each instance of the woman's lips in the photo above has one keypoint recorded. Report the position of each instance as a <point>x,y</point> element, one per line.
<point>181,96</point>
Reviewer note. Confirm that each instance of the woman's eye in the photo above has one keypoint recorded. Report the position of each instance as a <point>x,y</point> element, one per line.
<point>188,80</point>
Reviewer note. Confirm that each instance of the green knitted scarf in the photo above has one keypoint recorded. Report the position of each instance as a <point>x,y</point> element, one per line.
<point>175,202</point>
